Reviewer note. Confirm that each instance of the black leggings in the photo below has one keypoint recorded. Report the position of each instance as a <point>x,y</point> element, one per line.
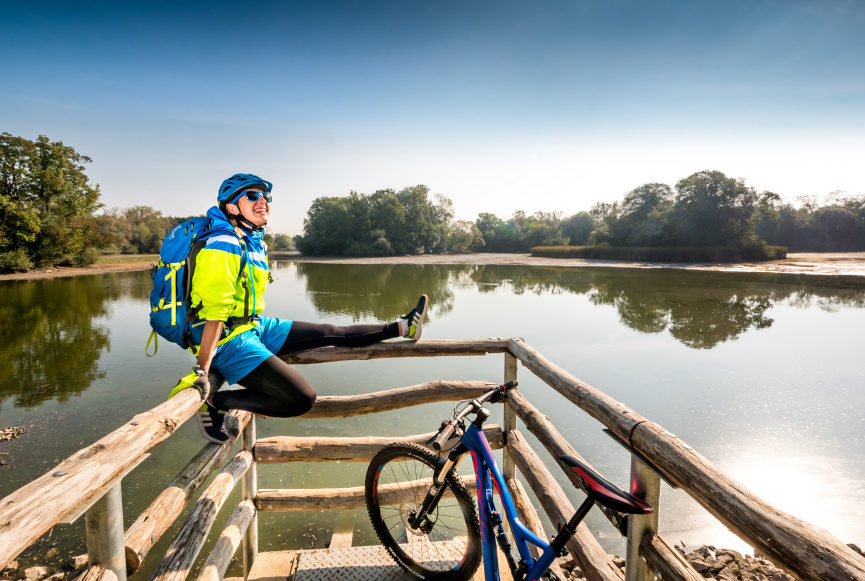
<point>275,389</point>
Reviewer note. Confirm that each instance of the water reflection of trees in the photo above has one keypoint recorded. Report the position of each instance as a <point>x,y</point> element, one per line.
<point>377,291</point>
<point>53,339</point>
<point>700,309</point>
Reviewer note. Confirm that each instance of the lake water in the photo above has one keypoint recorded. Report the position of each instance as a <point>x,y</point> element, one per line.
<point>762,375</point>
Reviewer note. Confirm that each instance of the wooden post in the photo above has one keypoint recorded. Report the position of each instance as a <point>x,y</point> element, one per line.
<point>151,524</point>
<point>510,419</point>
<point>645,485</point>
<point>248,490</point>
<point>193,532</point>
<point>104,525</point>
<point>220,557</point>
<point>594,561</point>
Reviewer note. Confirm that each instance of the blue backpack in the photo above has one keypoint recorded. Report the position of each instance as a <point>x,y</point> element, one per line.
<point>172,281</point>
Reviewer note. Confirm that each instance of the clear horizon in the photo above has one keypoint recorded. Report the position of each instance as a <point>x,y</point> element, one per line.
<point>499,106</point>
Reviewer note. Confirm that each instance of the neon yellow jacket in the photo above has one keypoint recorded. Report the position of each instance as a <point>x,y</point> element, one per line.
<point>217,283</point>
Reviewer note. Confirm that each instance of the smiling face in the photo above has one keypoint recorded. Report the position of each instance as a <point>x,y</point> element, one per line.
<point>255,212</point>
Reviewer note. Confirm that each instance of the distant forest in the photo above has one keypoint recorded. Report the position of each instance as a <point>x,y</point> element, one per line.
<point>706,209</point>
<point>50,214</point>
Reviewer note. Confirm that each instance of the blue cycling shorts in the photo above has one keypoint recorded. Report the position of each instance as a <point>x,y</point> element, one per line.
<point>236,358</point>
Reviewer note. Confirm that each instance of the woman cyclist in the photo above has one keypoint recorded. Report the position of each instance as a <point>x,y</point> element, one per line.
<point>230,334</point>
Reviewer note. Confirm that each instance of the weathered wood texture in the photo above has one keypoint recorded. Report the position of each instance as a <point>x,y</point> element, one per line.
<point>543,429</point>
<point>594,561</point>
<point>806,551</point>
<point>547,434</point>
<point>277,449</point>
<point>344,406</point>
<point>193,532</point>
<point>248,489</point>
<point>510,419</point>
<point>152,523</point>
<point>666,561</point>
<point>97,573</point>
<point>435,348</point>
<point>34,508</point>
<point>343,532</point>
<point>104,529</point>
<point>220,557</point>
<point>297,499</point>
<point>791,543</point>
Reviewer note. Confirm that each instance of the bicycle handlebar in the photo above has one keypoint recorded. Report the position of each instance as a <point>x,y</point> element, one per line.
<point>443,437</point>
<point>448,429</point>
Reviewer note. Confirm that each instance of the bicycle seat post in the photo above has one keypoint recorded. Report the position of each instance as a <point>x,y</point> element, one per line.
<point>567,531</point>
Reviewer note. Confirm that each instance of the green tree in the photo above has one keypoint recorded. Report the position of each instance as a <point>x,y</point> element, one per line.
<point>714,210</point>
<point>337,226</point>
<point>464,236</point>
<point>387,222</point>
<point>498,236</point>
<point>388,214</point>
<point>836,228</point>
<point>644,219</point>
<point>46,202</point>
<point>282,242</point>
<point>578,228</point>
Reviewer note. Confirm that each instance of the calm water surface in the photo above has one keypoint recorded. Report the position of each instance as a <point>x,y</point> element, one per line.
<point>762,375</point>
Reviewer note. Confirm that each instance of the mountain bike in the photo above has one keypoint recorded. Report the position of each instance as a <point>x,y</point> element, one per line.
<point>426,519</point>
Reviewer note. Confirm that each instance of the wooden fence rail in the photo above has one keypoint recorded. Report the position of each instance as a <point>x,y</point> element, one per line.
<point>152,523</point>
<point>279,449</point>
<point>193,533</point>
<point>81,480</point>
<point>791,543</point>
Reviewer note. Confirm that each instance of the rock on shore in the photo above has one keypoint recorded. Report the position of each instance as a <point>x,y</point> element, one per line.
<point>720,564</point>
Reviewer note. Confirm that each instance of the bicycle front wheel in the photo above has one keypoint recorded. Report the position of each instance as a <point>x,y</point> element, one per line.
<point>446,545</point>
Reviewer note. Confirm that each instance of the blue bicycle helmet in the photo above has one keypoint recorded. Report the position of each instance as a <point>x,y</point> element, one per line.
<point>231,187</point>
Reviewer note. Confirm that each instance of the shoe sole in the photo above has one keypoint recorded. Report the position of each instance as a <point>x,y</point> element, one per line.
<point>200,421</point>
<point>419,326</point>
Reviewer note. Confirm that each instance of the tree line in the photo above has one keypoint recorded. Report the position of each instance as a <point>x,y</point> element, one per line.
<point>706,209</point>
<point>141,229</point>
<point>50,214</point>
<point>383,223</point>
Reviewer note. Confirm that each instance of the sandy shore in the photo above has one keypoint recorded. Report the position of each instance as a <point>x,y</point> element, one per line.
<point>842,264</point>
<point>829,264</point>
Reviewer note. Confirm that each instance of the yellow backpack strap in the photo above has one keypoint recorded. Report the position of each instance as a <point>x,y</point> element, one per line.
<point>155,338</point>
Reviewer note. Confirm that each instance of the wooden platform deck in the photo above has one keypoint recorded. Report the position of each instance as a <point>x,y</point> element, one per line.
<point>341,564</point>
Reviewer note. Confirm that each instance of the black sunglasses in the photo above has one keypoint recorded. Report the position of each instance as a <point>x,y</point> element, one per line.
<point>253,195</point>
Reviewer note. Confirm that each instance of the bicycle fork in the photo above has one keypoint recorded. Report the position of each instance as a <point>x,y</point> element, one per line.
<point>420,520</point>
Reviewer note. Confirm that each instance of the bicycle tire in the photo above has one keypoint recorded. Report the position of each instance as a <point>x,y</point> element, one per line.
<point>451,549</point>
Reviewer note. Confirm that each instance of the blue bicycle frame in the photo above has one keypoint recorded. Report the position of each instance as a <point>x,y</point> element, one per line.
<point>488,475</point>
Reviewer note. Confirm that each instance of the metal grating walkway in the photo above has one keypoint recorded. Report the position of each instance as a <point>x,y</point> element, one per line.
<point>345,564</point>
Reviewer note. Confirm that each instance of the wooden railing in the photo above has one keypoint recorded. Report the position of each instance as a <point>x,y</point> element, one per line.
<point>88,482</point>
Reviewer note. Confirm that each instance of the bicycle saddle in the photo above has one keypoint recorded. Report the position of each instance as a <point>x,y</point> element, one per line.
<point>605,492</point>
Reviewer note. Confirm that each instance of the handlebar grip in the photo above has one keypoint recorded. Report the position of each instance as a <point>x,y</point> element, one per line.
<point>442,437</point>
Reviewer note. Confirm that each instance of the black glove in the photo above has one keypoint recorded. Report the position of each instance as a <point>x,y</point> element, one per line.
<point>201,383</point>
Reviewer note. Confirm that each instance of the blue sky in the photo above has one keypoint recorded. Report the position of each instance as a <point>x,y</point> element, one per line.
<point>501,106</point>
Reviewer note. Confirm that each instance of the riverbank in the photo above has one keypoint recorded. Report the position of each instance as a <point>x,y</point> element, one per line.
<point>840,264</point>
<point>826,264</point>
<point>107,264</point>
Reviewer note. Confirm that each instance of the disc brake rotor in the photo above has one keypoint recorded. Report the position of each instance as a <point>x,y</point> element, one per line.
<point>407,512</point>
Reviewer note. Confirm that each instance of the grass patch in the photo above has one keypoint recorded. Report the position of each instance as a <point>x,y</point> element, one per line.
<point>664,254</point>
